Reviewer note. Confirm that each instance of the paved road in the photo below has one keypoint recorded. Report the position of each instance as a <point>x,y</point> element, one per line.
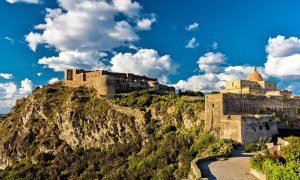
<point>234,168</point>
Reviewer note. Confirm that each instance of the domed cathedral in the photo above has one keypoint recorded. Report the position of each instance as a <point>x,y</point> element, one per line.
<point>254,84</point>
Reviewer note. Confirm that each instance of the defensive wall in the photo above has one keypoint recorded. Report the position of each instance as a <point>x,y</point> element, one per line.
<point>107,83</point>
<point>245,118</point>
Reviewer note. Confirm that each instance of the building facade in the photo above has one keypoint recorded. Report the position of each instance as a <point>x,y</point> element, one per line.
<point>254,84</point>
<point>247,110</point>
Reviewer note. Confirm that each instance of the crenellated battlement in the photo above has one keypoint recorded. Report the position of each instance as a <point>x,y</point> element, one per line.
<point>107,83</point>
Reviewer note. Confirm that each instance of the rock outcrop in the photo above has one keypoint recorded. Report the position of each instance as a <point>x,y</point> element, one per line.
<point>56,116</point>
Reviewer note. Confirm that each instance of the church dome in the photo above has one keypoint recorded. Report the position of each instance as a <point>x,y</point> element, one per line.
<point>254,75</point>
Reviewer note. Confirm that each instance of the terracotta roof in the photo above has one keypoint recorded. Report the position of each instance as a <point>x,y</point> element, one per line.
<point>254,75</point>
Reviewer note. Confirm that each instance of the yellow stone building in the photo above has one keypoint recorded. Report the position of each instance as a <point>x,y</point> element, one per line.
<point>254,84</point>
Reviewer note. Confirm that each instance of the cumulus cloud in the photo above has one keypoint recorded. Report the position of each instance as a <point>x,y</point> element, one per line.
<point>210,62</point>
<point>145,62</point>
<point>25,1</point>
<point>26,87</point>
<point>283,59</point>
<point>82,28</point>
<point>146,23</point>
<point>192,43</point>
<point>9,92</point>
<point>215,73</point>
<point>127,7</point>
<point>209,82</point>
<point>52,80</point>
<point>193,26</point>
<point>74,60</point>
<point>39,74</point>
<point>6,76</point>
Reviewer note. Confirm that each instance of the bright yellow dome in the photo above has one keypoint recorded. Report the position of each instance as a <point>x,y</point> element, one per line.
<point>254,75</point>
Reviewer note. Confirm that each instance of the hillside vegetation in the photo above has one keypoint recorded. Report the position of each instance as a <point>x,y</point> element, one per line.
<point>60,132</point>
<point>280,166</point>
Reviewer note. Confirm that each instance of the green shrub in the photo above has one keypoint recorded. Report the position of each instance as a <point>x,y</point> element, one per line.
<point>50,90</point>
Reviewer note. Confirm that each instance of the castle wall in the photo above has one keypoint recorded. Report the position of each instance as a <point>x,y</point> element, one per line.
<point>108,83</point>
<point>213,111</point>
<point>255,127</point>
<point>230,127</point>
<point>237,115</point>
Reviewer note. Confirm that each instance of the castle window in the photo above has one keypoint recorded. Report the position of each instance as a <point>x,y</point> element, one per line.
<point>269,85</point>
<point>267,126</point>
<point>213,105</point>
<point>232,84</point>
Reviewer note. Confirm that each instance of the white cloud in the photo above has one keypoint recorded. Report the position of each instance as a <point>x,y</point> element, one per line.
<point>215,81</point>
<point>74,60</point>
<point>127,7</point>
<point>52,80</point>
<point>192,43</point>
<point>215,74</point>
<point>7,90</point>
<point>6,76</point>
<point>282,47</point>
<point>9,93</point>
<point>193,26</point>
<point>214,45</point>
<point>26,87</point>
<point>39,74</point>
<point>79,29</point>
<point>131,46</point>
<point>145,62</point>
<point>34,39</point>
<point>146,23</point>
<point>283,60</point>
<point>9,39</point>
<point>210,62</point>
<point>25,1</point>
<point>123,31</point>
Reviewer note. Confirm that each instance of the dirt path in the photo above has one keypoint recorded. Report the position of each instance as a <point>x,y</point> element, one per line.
<point>234,168</point>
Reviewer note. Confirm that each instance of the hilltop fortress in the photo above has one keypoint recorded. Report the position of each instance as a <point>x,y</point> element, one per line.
<point>108,83</point>
<point>249,109</point>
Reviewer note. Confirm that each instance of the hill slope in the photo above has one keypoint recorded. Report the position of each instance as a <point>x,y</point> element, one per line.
<point>68,132</point>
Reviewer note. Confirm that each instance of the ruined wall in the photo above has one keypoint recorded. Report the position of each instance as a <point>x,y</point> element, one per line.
<point>278,106</point>
<point>258,126</point>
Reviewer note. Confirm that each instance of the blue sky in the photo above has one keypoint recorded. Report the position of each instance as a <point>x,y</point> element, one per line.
<point>193,44</point>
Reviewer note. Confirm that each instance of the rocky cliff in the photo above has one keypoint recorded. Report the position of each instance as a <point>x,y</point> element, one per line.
<point>55,122</point>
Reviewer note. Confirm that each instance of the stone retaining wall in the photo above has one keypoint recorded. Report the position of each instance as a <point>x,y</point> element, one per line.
<point>196,172</point>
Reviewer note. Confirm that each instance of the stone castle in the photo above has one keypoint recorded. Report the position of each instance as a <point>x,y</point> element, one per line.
<point>249,109</point>
<point>108,83</point>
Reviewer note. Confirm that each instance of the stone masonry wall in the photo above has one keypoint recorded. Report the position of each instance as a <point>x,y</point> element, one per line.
<point>246,118</point>
<point>107,83</point>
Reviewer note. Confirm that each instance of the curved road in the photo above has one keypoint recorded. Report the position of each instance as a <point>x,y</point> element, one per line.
<point>234,168</point>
